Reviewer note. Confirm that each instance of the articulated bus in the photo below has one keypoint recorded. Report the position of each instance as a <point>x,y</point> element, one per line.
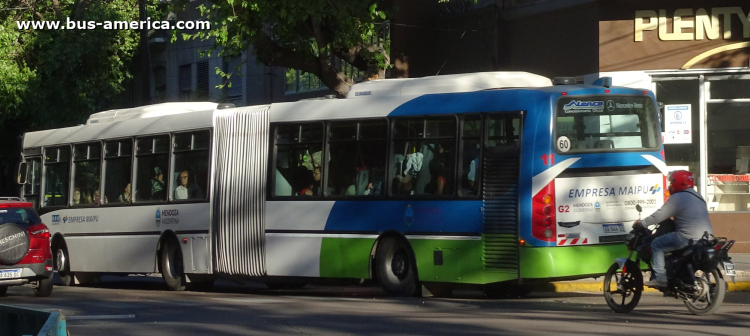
<point>497,179</point>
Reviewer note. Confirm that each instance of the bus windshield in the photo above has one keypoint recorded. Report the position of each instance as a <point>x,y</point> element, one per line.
<point>605,123</point>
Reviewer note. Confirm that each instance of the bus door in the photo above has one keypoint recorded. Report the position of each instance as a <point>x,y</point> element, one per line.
<point>33,176</point>
<point>500,169</point>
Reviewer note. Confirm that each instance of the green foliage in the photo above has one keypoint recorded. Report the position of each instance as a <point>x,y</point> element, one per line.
<point>300,34</point>
<point>58,77</point>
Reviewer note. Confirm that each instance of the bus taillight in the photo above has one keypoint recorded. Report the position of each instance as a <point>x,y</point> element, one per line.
<point>543,214</point>
<point>666,190</point>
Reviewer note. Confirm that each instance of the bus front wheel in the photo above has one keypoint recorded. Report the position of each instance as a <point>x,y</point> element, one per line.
<point>395,266</point>
<point>62,262</point>
<point>171,266</point>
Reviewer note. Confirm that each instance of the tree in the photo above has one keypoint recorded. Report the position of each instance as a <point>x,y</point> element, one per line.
<point>57,77</point>
<point>303,34</point>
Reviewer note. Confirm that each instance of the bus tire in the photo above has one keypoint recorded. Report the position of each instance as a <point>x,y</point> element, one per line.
<point>171,265</point>
<point>395,267</point>
<point>43,288</point>
<point>62,263</point>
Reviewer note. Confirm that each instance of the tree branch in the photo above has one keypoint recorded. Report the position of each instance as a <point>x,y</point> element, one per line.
<point>56,8</point>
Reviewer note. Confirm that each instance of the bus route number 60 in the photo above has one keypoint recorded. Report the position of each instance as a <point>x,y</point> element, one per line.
<point>563,144</point>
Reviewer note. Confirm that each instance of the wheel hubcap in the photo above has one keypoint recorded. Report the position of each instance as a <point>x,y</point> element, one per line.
<point>398,264</point>
<point>61,260</point>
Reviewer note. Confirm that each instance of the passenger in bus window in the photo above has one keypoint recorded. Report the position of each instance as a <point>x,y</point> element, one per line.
<point>157,184</point>
<point>97,197</point>
<point>440,170</point>
<point>125,196</point>
<point>186,190</point>
<point>76,196</point>
<point>314,187</point>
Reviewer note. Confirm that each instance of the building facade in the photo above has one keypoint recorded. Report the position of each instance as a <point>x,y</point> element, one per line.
<point>695,56</point>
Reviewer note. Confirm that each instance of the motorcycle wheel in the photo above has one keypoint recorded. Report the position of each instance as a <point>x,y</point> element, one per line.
<point>711,296</point>
<point>623,298</point>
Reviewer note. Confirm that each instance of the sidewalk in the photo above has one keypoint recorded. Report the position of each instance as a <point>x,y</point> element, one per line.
<point>741,281</point>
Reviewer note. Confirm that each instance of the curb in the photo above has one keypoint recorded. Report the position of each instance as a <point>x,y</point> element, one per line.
<point>598,287</point>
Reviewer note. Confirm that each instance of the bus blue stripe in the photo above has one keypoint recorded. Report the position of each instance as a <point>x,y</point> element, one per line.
<point>406,216</point>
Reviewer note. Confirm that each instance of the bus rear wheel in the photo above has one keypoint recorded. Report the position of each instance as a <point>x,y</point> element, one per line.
<point>395,267</point>
<point>62,263</point>
<point>171,266</point>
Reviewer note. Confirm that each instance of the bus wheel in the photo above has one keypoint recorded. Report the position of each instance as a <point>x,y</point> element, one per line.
<point>396,270</point>
<point>62,263</point>
<point>171,266</point>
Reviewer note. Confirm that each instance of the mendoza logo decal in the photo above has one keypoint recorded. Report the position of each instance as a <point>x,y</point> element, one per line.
<point>581,106</point>
<point>409,215</point>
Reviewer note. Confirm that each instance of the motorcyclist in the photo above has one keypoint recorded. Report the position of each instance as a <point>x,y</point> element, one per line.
<point>690,214</point>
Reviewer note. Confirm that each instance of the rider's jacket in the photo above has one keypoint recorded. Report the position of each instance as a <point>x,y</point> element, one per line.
<point>689,211</point>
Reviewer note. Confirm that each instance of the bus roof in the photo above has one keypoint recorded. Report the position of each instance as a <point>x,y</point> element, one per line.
<point>385,97</point>
<point>447,83</point>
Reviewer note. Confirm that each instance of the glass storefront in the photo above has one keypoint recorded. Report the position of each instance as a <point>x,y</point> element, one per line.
<point>719,154</point>
<point>728,142</point>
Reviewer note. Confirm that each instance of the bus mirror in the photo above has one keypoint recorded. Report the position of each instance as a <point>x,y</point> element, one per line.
<point>22,172</point>
<point>603,81</point>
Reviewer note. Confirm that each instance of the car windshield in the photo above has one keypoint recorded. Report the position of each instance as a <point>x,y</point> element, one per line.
<point>606,123</point>
<point>21,216</point>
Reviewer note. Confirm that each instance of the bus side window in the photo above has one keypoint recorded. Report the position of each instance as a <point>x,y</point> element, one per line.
<point>427,147</point>
<point>299,149</point>
<point>117,162</point>
<point>471,141</point>
<point>56,175</point>
<point>151,174</point>
<point>357,164</point>
<point>86,177</point>
<point>190,173</point>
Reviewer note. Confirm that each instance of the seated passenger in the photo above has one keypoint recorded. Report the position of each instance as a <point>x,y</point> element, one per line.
<point>185,190</point>
<point>77,196</point>
<point>314,187</point>
<point>440,169</point>
<point>157,184</point>
<point>125,196</point>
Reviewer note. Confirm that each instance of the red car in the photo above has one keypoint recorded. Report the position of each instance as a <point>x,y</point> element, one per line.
<point>25,255</point>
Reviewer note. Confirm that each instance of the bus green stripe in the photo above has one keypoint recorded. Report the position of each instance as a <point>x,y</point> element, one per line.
<point>569,261</point>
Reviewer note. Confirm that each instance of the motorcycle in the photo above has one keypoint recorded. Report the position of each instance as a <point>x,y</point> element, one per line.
<point>694,273</point>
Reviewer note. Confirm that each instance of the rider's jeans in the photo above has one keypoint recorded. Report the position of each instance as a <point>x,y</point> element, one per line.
<point>661,245</point>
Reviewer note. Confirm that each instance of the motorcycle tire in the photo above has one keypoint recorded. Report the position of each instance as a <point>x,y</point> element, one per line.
<point>709,301</point>
<point>632,287</point>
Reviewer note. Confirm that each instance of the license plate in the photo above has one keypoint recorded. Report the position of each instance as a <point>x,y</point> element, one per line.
<point>729,268</point>
<point>10,274</point>
<point>614,228</point>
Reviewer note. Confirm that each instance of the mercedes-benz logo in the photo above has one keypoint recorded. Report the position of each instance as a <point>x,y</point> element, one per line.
<point>610,106</point>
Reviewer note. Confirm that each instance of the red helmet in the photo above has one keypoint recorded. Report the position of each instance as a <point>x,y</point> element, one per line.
<point>680,180</point>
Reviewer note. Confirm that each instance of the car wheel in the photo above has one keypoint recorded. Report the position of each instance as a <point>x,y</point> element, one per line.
<point>62,263</point>
<point>44,287</point>
<point>171,266</point>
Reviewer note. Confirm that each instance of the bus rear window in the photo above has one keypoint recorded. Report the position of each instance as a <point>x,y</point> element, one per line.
<point>605,123</point>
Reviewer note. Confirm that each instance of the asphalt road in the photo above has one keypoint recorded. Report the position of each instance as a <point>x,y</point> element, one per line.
<point>143,307</point>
